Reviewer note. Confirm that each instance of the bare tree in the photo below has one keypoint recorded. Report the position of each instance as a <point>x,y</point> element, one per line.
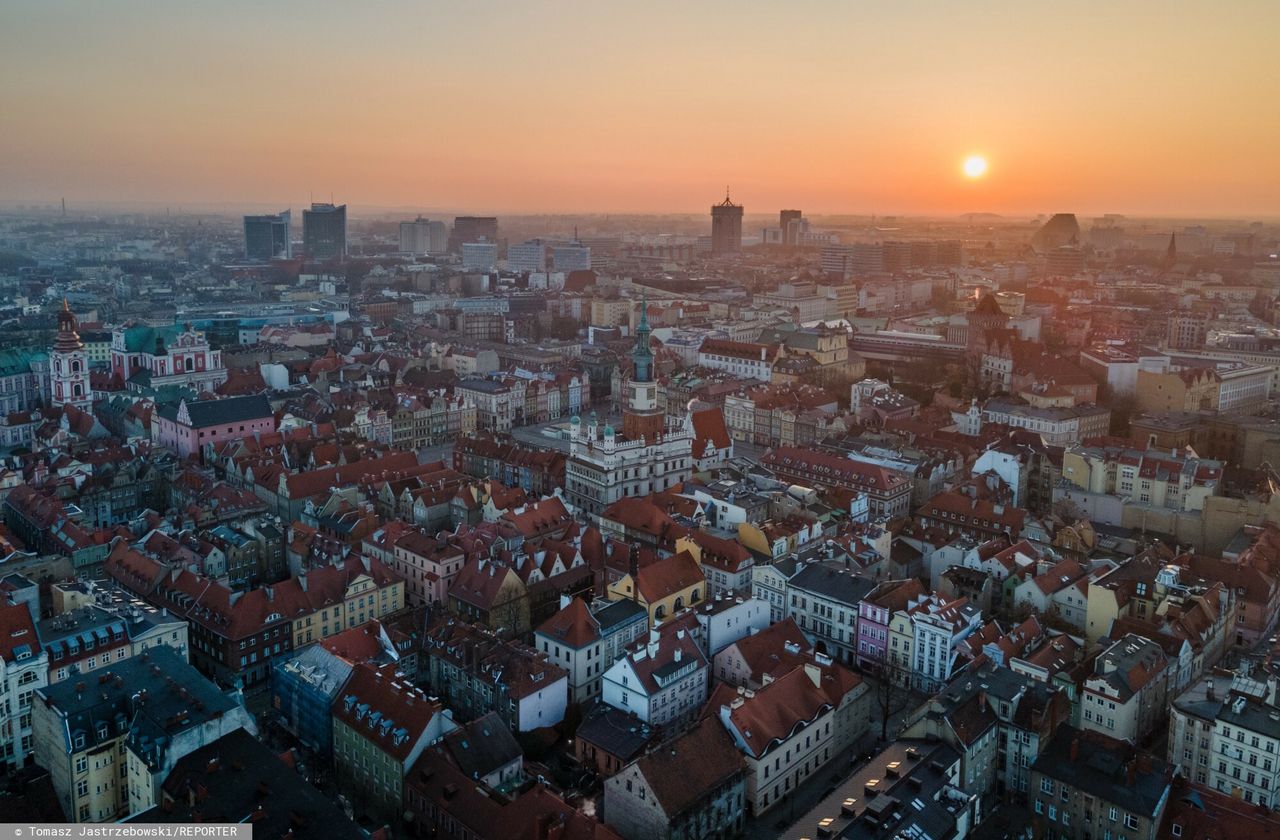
<point>890,692</point>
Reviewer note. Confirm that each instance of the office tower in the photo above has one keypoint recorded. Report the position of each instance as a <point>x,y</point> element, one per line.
<point>473,229</point>
<point>324,231</point>
<point>437,237</point>
<point>790,222</point>
<point>568,258</point>
<point>415,236</point>
<point>479,256</point>
<point>837,261</point>
<point>1061,229</point>
<point>527,257</point>
<point>267,237</point>
<point>726,227</point>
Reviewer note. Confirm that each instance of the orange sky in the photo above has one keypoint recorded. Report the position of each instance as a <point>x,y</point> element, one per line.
<point>1161,108</point>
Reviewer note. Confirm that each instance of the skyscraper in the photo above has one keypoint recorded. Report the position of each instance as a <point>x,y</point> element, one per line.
<point>415,236</point>
<point>527,256</point>
<point>790,221</point>
<point>324,231</point>
<point>267,237</point>
<point>573,257</point>
<point>437,237</point>
<point>473,229</point>
<point>726,226</point>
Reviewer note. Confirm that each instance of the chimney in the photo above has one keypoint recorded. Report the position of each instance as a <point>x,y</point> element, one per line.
<point>1131,772</point>
<point>1075,749</point>
<point>814,674</point>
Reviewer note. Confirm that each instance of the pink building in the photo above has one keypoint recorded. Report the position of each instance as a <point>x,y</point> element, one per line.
<point>187,426</point>
<point>874,613</point>
<point>429,566</point>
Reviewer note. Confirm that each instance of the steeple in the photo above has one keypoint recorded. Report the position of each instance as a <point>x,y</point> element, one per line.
<point>641,354</point>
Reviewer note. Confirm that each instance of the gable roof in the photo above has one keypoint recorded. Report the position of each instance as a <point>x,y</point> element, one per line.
<point>685,771</point>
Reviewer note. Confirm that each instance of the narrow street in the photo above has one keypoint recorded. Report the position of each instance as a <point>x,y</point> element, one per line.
<point>812,791</point>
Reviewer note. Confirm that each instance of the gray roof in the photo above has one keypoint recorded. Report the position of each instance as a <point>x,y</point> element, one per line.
<point>318,667</point>
<point>616,732</point>
<point>483,746</point>
<point>832,581</point>
<point>618,614</point>
<point>921,775</point>
<point>1102,768</point>
<point>219,412</point>
<point>153,696</point>
<point>1245,713</point>
<point>236,779</point>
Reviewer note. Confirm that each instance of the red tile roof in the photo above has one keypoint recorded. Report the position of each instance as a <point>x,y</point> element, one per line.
<point>16,630</point>
<point>573,625</point>
<point>670,575</point>
<point>381,697</point>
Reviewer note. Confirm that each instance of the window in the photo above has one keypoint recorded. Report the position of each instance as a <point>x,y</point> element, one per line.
<point>1130,821</point>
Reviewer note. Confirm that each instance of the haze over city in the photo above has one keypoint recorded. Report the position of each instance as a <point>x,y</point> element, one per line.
<point>512,420</point>
<point>1142,107</point>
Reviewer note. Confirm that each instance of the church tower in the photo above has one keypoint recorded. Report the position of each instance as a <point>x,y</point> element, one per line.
<point>69,365</point>
<point>641,416</point>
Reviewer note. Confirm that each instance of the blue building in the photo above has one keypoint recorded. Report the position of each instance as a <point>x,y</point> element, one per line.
<point>303,688</point>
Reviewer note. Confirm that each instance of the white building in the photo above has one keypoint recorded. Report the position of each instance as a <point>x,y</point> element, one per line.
<point>792,726</point>
<point>754,361</point>
<point>661,680</point>
<point>585,641</point>
<point>938,629</point>
<point>479,256</point>
<point>653,452</point>
<point>415,236</point>
<point>26,668</point>
<point>568,258</point>
<point>1225,733</point>
<point>527,257</point>
<point>727,618</point>
<point>1125,695</point>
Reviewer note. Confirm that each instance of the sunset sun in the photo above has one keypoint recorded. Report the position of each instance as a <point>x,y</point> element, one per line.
<point>975,166</point>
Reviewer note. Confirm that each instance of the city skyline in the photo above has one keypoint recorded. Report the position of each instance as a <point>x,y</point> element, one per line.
<point>1145,110</point>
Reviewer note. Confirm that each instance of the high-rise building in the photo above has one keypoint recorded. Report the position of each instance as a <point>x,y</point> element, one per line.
<point>324,231</point>
<point>69,365</point>
<point>790,221</point>
<point>573,257</point>
<point>473,229</point>
<point>437,238</point>
<point>726,227</point>
<point>527,256</point>
<point>415,236</point>
<point>479,256</point>
<point>267,237</point>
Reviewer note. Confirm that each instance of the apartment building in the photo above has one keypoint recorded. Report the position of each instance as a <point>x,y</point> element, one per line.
<point>109,740</point>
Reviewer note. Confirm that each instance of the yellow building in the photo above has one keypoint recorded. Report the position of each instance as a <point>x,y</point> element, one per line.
<point>1190,389</point>
<point>606,312</point>
<point>325,601</point>
<point>665,587</point>
<point>901,636</point>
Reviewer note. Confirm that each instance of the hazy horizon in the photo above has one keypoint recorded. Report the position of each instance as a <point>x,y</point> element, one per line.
<point>1152,110</point>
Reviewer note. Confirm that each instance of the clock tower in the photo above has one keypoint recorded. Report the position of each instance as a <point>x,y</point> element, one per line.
<point>641,416</point>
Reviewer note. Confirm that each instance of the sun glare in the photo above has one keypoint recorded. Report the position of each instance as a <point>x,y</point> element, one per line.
<point>975,166</point>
